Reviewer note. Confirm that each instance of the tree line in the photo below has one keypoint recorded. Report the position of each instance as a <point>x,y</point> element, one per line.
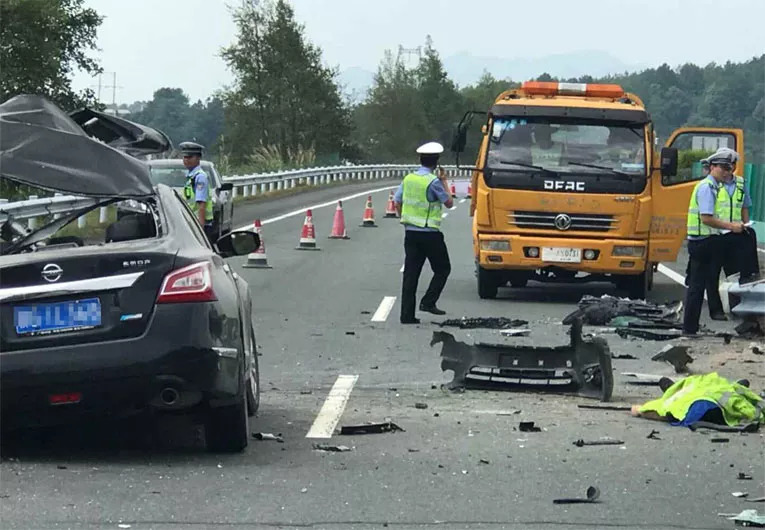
<point>286,108</point>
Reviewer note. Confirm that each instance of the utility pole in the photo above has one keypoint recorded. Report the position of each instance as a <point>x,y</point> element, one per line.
<point>410,52</point>
<point>114,86</point>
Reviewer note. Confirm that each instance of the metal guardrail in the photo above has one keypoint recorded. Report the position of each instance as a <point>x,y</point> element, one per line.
<point>245,185</point>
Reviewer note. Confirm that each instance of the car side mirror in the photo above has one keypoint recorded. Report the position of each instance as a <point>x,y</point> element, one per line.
<point>668,161</point>
<point>226,186</point>
<point>238,243</point>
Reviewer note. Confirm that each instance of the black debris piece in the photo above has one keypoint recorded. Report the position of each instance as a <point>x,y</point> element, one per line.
<point>582,366</point>
<point>719,440</point>
<point>623,356</point>
<point>413,450</point>
<point>757,349</point>
<point>750,329</point>
<point>421,405</point>
<point>668,334</point>
<point>528,426</point>
<point>264,436</point>
<point>306,392</point>
<point>653,435</point>
<point>675,355</point>
<point>374,367</point>
<point>60,467</point>
<point>332,448</point>
<point>484,461</point>
<point>366,312</point>
<point>592,496</point>
<point>598,311</point>
<point>350,332</point>
<point>483,322</point>
<point>744,476</point>
<point>582,443</point>
<point>756,499</point>
<point>370,428</point>
<point>605,407</point>
<point>746,427</point>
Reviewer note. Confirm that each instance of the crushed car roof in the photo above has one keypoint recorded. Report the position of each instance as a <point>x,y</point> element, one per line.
<point>42,146</point>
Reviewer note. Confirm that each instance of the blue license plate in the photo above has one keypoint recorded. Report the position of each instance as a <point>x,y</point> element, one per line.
<point>46,319</point>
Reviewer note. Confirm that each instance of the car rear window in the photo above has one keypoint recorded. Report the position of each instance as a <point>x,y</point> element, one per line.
<point>175,176</point>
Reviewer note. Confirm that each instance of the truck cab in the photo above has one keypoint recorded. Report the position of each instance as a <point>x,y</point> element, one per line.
<point>570,186</point>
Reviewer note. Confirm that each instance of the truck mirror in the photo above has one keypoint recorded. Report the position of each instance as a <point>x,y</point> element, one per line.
<point>460,139</point>
<point>668,161</point>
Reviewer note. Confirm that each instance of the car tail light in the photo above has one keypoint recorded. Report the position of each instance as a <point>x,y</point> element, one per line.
<point>188,284</point>
<point>67,398</point>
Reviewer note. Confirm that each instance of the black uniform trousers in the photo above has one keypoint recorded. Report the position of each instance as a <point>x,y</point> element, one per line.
<point>703,261</point>
<point>420,246</point>
<point>733,253</point>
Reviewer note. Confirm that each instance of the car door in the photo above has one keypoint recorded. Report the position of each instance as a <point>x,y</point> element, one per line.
<point>671,194</point>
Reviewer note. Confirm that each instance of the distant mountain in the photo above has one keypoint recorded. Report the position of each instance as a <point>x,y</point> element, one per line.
<point>465,69</point>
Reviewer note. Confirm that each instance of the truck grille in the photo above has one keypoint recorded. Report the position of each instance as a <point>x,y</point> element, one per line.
<point>582,222</point>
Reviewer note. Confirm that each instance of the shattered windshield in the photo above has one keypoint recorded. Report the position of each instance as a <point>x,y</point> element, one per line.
<point>566,146</point>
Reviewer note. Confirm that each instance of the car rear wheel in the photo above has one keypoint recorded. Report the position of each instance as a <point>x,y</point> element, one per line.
<point>253,380</point>
<point>227,429</point>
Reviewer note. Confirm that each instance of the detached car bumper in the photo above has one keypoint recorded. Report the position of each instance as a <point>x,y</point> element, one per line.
<point>501,251</point>
<point>176,365</point>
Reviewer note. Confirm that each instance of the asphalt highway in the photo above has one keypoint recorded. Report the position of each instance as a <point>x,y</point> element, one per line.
<point>334,354</point>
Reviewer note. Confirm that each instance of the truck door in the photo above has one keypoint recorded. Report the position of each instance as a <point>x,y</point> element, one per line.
<point>671,195</point>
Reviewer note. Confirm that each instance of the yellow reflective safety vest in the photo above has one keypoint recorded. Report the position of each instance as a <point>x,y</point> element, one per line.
<point>727,207</point>
<point>739,405</point>
<point>416,210</point>
<point>189,193</point>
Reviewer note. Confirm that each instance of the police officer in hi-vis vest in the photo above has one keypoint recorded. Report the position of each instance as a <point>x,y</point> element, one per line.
<point>197,189</point>
<point>717,214</point>
<point>418,201</point>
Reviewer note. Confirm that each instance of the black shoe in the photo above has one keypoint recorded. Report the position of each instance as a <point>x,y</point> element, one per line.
<point>431,309</point>
<point>665,383</point>
<point>718,316</point>
<point>743,382</point>
<point>749,279</point>
<point>410,320</point>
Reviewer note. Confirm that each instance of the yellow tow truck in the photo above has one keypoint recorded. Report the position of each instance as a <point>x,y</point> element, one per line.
<point>569,185</point>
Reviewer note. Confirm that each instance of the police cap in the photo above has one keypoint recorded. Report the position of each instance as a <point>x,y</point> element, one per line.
<point>191,149</point>
<point>724,155</point>
<point>430,148</point>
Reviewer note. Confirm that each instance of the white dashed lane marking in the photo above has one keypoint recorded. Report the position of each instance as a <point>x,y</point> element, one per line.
<point>333,408</point>
<point>381,315</point>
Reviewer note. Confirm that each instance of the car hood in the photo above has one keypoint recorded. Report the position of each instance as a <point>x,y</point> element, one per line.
<point>42,146</point>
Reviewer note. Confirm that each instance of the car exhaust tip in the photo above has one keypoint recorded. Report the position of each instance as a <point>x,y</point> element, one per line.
<point>169,396</point>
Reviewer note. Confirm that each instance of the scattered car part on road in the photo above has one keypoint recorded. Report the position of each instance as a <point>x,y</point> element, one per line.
<point>265,436</point>
<point>606,407</point>
<point>584,443</point>
<point>643,379</point>
<point>420,405</point>
<point>332,448</point>
<point>370,428</point>
<point>528,426</point>
<point>599,311</point>
<point>744,476</point>
<point>653,435</point>
<point>719,440</point>
<point>751,518</point>
<point>583,366</point>
<point>483,323</point>
<point>624,356</point>
<point>676,355</point>
<point>591,496</point>
<point>515,332</point>
<point>740,494</point>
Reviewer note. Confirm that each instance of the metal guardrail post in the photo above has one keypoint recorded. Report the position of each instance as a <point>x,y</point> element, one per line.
<point>102,215</point>
<point>82,221</point>
<point>32,221</point>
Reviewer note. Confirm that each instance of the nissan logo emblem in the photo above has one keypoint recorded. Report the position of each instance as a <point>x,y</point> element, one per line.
<point>52,272</point>
<point>562,221</point>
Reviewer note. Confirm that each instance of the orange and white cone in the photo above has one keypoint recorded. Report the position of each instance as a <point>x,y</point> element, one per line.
<point>338,224</point>
<point>454,190</point>
<point>390,209</point>
<point>369,214</point>
<point>308,234</point>
<point>258,259</point>
<point>469,191</point>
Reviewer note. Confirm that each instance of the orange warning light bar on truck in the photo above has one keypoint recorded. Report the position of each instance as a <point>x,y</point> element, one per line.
<point>544,88</point>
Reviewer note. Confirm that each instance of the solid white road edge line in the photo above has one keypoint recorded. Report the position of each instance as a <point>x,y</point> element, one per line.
<point>381,315</point>
<point>330,413</point>
<point>301,211</point>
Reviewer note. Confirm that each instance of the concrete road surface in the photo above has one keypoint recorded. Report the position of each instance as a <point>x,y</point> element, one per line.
<point>329,320</point>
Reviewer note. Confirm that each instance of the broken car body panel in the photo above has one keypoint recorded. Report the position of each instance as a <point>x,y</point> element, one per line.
<point>583,366</point>
<point>42,146</point>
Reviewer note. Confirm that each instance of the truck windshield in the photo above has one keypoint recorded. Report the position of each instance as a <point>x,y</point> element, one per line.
<point>567,146</point>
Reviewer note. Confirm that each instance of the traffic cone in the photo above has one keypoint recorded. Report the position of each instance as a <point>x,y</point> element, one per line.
<point>369,214</point>
<point>390,209</point>
<point>308,234</point>
<point>258,259</point>
<point>470,191</point>
<point>338,224</point>
<point>454,190</point>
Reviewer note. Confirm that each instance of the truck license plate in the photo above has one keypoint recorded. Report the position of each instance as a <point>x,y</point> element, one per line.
<point>561,254</point>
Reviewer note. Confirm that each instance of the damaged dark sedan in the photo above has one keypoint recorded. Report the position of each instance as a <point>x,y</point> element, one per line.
<point>107,316</point>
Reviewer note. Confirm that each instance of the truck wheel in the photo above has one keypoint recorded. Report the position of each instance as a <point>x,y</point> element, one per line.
<point>637,286</point>
<point>487,284</point>
<point>227,429</point>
